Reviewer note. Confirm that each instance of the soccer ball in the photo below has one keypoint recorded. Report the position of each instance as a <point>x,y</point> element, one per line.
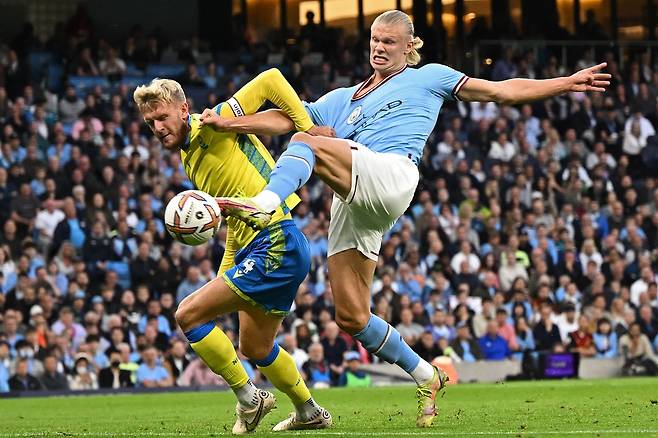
<point>192,217</point>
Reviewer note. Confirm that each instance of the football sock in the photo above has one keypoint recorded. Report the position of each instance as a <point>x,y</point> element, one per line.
<point>216,350</point>
<point>280,369</point>
<point>423,373</point>
<point>292,170</point>
<point>267,200</point>
<point>382,340</point>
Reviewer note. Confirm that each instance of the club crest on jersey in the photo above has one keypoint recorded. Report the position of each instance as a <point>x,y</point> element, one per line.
<point>355,115</point>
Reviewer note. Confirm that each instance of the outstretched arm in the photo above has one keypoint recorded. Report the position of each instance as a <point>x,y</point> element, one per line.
<point>267,86</point>
<point>515,91</point>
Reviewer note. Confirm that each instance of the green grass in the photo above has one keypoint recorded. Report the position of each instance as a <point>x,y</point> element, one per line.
<point>618,407</point>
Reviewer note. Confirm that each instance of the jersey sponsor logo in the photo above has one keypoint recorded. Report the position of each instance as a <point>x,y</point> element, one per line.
<point>362,121</point>
<point>355,114</point>
<point>235,106</point>
<point>202,143</point>
<point>247,267</point>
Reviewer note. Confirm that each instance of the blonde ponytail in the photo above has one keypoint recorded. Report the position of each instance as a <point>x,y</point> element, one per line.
<point>396,17</point>
<point>413,57</point>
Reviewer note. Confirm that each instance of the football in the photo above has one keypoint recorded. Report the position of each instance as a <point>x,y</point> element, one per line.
<point>192,217</point>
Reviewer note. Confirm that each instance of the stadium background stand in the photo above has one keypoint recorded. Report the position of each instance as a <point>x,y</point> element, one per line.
<point>536,224</point>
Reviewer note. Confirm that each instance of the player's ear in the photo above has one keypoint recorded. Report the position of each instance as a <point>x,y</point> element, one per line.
<point>184,110</point>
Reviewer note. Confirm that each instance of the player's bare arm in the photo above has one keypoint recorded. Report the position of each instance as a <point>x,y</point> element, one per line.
<point>269,122</point>
<point>516,91</point>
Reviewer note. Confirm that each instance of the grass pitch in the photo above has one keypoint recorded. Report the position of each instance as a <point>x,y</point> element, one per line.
<point>608,408</point>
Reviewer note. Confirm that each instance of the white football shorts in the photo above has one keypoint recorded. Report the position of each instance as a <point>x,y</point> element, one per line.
<point>383,185</point>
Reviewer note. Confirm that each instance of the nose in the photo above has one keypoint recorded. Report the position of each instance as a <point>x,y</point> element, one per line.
<point>158,127</point>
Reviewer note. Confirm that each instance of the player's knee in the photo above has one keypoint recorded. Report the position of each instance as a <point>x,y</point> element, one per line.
<point>185,317</point>
<point>301,137</point>
<point>351,322</point>
<point>253,350</point>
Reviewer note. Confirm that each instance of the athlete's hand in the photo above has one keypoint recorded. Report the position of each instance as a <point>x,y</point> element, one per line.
<point>322,131</point>
<point>211,118</point>
<point>590,79</point>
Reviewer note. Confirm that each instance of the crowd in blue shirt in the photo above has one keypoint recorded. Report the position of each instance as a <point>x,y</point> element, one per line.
<point>547,212</point>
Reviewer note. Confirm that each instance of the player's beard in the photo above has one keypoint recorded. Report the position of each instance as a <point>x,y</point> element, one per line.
<point>176,140</point>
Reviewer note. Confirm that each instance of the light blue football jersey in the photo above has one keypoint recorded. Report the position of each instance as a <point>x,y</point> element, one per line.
<point>397,115</point>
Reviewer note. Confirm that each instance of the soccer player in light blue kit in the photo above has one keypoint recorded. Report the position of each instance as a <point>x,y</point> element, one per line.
<point>382,126</point>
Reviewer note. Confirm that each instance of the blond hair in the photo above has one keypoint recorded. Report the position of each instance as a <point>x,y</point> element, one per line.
<point>396,17</point>
<point>159,91</point>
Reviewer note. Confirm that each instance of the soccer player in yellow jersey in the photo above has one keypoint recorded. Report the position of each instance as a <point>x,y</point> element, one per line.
<point>261,271</point>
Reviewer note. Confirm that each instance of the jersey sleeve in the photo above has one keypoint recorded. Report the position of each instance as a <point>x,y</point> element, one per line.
<point>442,80</point>
<point>229,252</point>
<point>270,86</point>
<point>321,110</point>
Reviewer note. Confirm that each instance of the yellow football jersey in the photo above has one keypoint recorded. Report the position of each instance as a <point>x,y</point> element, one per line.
<point>239,165</point>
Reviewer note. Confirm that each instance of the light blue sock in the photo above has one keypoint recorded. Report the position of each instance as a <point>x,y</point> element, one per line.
<point>292,170</point>
<point>382,340</point>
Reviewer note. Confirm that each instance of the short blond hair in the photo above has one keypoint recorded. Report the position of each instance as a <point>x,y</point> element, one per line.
<point>159,91</point>
<point>396,17</point>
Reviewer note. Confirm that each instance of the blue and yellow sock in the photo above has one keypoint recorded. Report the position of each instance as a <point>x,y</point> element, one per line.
<point>280,369</point>
<point>216,350</point>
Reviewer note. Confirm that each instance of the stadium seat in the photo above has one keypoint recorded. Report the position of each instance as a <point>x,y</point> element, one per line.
<point>165,70</point>
<point>84,83</point>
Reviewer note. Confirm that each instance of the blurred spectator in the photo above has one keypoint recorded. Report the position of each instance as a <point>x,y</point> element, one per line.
<point>426,348</point>
<point>638,353</point>
<point>353,377</point>
<point>52,379</point>
<point>24,210</point>
<point>605,340</point>
<point>524,338</point>
<point>70,229</point>
<point>493,346</point>
<point>192,282</point>
<point>70,106</point>
<point>25,350</point>
<point>22,380</point>
<point>74,330</point>
<point>83,377</point>
<point>581,340</point>
<point>409,330</point>
<point>316,371</point>
<point>567,321</point>
<point>334,348</point>
<point>177,360</point>
<point>298,355</point>
<point>546,333</point>
<point>505,329</point>
<point>466,348</point>
<point>113,376</point>
<point>46,221</point>
<point>154,311</point>
<point>149,373</point>
<point>197,373</point>
<point>5,365</point>
<point>112,66</point>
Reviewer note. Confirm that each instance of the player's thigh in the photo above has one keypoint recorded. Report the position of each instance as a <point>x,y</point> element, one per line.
<point>333,161</point>
<point>257,332</point>
<point>350,276</point>
<point>211,300</point>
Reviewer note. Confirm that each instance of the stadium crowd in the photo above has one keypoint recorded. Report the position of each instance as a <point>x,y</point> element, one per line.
<point>534,228</point>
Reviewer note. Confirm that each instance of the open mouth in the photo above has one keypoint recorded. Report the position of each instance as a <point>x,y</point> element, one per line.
<point>379,59</point>
<point>164,136</point>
